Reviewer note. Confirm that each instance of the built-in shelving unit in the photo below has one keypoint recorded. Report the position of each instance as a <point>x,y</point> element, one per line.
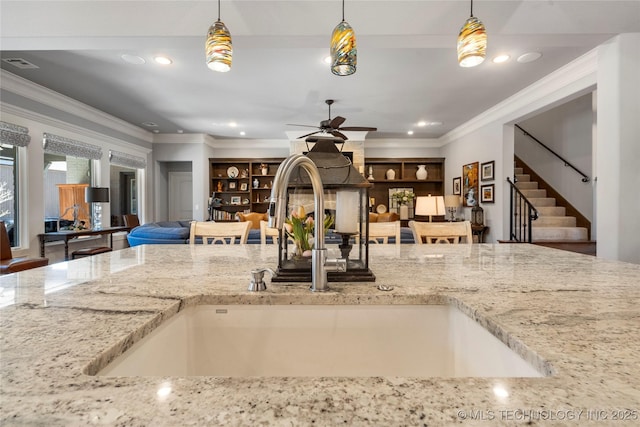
<point>248,191</point>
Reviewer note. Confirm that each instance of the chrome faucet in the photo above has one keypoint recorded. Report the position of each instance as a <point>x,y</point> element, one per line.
<point>278,211</point>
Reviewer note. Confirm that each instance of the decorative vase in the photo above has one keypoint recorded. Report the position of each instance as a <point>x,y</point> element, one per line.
<point>421,173</point>
<point>391,174</point>
<point>256,183</point>
<point>264,170</point>
<point>404,212</point>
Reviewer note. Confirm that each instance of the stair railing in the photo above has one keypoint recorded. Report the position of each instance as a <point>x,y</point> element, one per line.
<point>585,178</point>
<point>521,214</point>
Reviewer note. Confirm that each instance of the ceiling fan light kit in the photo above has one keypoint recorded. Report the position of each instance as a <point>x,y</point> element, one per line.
<point>344,54</point>
<point>472,42</point>
<point>218,47</point>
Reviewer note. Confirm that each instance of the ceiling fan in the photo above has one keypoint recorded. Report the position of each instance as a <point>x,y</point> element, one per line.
<point>332,126</point>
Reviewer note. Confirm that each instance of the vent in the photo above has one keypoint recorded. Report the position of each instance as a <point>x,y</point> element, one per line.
<point>150,124</point>
<point>20,63</point>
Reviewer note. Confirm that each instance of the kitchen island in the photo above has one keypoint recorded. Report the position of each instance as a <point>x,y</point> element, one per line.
<point>576,315</point>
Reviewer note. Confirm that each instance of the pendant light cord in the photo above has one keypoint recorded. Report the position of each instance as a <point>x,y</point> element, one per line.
<point>471,7</point>
<point>342,10</point>
<point>219,8</point>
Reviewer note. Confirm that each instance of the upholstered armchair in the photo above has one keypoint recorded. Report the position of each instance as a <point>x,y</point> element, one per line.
<point>254,218</point>
<point>8,264</point>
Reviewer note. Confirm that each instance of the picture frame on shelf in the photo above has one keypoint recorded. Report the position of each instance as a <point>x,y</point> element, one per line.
<point>486,170</point>
<point>244,186</point>
<point>233,185</point>
<point>235,200</point>
<point>486,193</point>
<point>470,186</point>
<point>457,185</point>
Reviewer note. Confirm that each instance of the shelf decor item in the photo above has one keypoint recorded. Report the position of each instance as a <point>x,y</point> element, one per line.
<point>403,199</point>
<point>264,168</point>
<point>390,174</point>
<point>421,173</point>
<point>256,183</point>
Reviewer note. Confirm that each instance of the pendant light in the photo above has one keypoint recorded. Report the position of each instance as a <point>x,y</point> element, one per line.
<point>344,54</point>
<point>472,42</point>
<point>218,47</point>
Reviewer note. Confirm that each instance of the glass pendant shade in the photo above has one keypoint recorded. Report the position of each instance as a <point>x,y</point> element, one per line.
<point>472,43</point>
<point>344,55</point>
<point>218,47</point>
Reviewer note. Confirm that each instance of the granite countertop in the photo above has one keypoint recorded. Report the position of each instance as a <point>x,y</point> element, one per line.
<point>579,314</point>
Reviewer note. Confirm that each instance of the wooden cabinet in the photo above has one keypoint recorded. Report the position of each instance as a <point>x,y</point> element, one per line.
<point>248,189</point>
<point>404,172</point>
<point>70,195</point>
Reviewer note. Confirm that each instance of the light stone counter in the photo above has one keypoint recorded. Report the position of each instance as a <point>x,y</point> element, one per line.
<point>578,316</point>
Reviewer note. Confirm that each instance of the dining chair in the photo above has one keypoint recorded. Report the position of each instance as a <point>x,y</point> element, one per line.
<point>379,232</point>
<point>266,231</point>
<point>131,220</point>
<point>441,232</point>
<point>219,232</point>
<point>9,264</point>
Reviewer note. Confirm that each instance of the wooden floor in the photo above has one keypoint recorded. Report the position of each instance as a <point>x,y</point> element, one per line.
<point>581,247</point>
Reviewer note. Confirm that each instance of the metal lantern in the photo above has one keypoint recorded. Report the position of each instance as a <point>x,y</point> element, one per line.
<point>477,215</point>
<point>346,195</point>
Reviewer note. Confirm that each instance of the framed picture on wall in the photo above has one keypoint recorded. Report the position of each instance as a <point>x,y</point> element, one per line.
<point>457,187</point>
<point>487,171</point>
<point>470,184</point>
<point>486,193</point>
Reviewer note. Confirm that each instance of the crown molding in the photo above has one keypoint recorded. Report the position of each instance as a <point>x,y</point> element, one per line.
<point>79,132</point>
<point>578,76</point>
<point>50,98</point>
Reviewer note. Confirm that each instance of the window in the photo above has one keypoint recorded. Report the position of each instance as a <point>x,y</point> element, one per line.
<point>9,191</point>
<point>65,178</point>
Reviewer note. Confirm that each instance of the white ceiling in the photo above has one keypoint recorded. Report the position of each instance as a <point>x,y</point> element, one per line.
<point>407,68</point>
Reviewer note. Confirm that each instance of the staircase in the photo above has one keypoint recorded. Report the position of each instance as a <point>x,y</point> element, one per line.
<point>553,225</point>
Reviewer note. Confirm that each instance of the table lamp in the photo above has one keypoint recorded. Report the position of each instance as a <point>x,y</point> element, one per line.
<point>452,203</point>
<point>430,205</point>
<point>97,196</point>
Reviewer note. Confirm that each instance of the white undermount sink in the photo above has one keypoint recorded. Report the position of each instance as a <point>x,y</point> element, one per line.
<point>332,340</point>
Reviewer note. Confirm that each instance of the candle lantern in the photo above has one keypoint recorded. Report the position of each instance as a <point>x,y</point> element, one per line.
<point>346,196</point>
<point>477,215</point>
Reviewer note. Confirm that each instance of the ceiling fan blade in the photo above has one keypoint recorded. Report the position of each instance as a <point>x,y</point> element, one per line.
<point>357,128</point>
<point>307,126</point>
<point>336,122</point>
<point>309,134</point>
<point>339,135</point>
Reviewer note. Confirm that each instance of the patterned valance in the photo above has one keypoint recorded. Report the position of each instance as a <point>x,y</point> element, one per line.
<point>126,160</point>
<point>11,134</point>
<point>70,147</point>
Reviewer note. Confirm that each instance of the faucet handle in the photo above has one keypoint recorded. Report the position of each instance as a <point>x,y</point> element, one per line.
<point>257,279</point>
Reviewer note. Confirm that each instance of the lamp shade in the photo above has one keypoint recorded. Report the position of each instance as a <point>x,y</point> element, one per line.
<point>344,55</point>
<point>452,201</point>
<point>430,205</point>
<point>218,47</point>
<point>472,43</point>
<point>96,194</point>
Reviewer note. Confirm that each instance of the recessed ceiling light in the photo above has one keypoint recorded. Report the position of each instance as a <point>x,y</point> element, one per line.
<point>422,123</point>
<point>156,131</point>
<point>435,123</point>
<point>180,131</point>
<point>150,124</point>
<point>501,58</point>
<point>410,132</point>
<point>233,124</point>
<point>242,133</point>
<point>132,59</point>
<point>528,57</point>
<point>162,60</point>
